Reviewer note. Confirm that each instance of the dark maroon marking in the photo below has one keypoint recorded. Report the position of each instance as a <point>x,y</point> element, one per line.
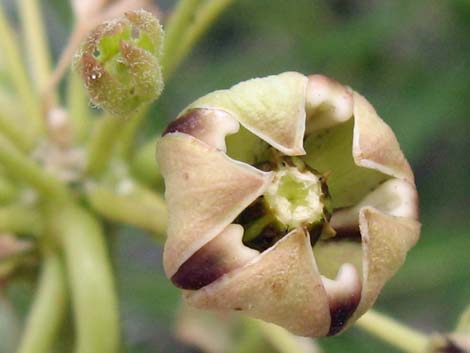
<point>347,233</point>
<point>188,123</point>
<point>253,212</point>
<point>341,311</point>
<point>268,236</point>
<point>315,231</point>
<point>201,269</point>
<point>451,347</point>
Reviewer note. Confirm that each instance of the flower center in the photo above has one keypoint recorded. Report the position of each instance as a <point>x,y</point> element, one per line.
<point>296,197</point>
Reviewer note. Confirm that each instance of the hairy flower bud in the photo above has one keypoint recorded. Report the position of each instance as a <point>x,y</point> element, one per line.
<point>289,200</point>
<point>119,62</point>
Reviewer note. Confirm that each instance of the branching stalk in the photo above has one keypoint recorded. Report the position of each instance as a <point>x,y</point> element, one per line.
<point>130,203</point>
<point>14,133</point>
<point>91,282</point>
<point>36,44</point>
<point>176,26</point>
<point>77,103</point>
<point>48,308</point>
<point>281,339</point>
<point>101,146</point>
<point>144,165</point>
<point>22,167</point>
<point>19,77</point>
<point>129,133</point>
<point>20,220</point>
<point>393,332</point>
<point>203,18</point>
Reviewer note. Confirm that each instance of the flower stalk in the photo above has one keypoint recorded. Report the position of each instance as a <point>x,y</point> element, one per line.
<point>90,278</point>
<point>393,332</point>
<point>36,45</point>
<point>18,219</point>
<point>204,16</point>
<point>130,203</point>
<point>18,75</point>
<point>22,167</point>
<point>48,308</point>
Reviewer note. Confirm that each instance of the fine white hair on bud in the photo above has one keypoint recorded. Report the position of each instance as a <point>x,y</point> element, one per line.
<point>119,62</point>
<point>289,200</point>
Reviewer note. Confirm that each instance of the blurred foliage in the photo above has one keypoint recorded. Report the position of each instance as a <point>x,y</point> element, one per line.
<point>411,59</point>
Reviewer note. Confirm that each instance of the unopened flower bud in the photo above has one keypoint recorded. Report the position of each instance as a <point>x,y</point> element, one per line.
<point>119,62</point>
<point>289,200</point>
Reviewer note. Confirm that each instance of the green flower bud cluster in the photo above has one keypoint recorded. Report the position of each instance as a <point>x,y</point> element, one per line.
<point>120,62</point>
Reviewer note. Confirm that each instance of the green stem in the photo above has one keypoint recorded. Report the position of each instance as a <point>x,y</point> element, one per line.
<point>77,103</point>
<point>20,220</point>
<point>129,133</point>
<point>283,341</point>
<point>8,190</point>
<point>203,18</point>
<point>250,339</point>
<point>11,129</point>
<point>103,140</point>
<point>19,77</point>
<point>9,324</point>
<point>94,297</point>
<point>393,332</point>
<point>47,310</point>
<point>22,167</point>
<point>144,165</point>
<point>36,44</point>
<point>135,205</point>
<point>176,26</point>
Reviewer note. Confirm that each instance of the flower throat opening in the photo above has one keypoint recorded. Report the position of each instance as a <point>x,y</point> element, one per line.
<point>297,197</point>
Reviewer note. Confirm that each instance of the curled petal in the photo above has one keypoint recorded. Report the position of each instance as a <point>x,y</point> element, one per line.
<point>328,103</point>
<point>272,108</point>
<point>374,144</point>
<point>344,294</point>
<point>330,151</point>
<point>205,191</point>
<point>394,197</point>
<point>221,255</point>
<point>385,241</point>
<point>331,254</point>
<point>208,125</point>
<point>282,285</point>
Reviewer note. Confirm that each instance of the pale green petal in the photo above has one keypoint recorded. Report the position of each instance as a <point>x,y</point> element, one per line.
<point>272,108</point>
<point>328,103</point>
<point>330,152</point>
<point>395,197</point>
<point>331,255</point>
<point>375,145</point>
<point>385,242</point>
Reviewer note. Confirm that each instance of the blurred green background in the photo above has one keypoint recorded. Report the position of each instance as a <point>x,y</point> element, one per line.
<point>411,59</point>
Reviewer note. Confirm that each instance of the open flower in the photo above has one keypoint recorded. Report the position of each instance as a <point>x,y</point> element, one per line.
<point>289,200</point>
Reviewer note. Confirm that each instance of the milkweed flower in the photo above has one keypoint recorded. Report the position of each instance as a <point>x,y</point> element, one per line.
<point>289,200</point>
